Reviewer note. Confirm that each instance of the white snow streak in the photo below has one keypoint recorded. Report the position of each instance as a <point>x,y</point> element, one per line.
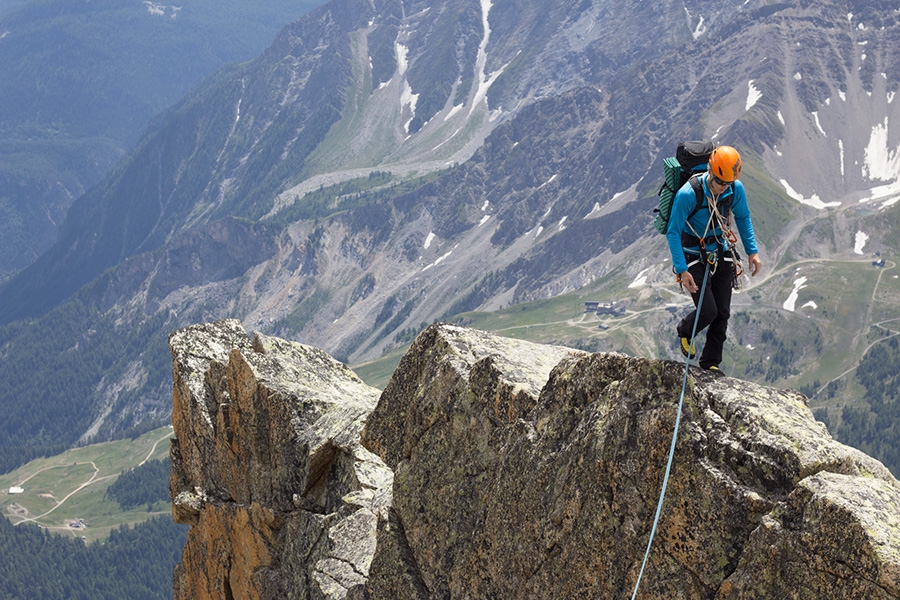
<point>640,280</point>
<point>402,60</point>
<point>815,115</point>
<point>753,96</point>
<point>484,220</point>
<point>456,108</point>
<point>881,162</point>
<point>438,261</point>
<point>888,195</point>
<point>814,201</point>
<point>429,239</point>
<point>841,149</point>
<point>700,30</point>
<point>549,181</point>
<point>596,209</point>
<point>799,284</point>
<point>485,206</point>
<point>861,239</point>
<point>407,98</point>
<point>484,81</point>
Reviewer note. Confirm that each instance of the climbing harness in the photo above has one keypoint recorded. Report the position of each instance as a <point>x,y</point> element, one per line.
<point>662,493</point>
<point>721,220</point>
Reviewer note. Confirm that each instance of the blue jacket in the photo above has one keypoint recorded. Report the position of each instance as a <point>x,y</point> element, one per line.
<point>685,201</point>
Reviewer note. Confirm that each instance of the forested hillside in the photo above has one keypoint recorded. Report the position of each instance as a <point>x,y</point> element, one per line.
<point>81,79</point>
<point>134,563</point>
<point>143,485</point>
<point>874,427</point>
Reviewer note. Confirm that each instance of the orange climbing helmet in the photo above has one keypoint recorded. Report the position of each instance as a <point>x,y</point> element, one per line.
<point>725,163</point>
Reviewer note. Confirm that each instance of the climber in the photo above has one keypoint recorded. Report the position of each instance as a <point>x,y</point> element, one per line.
<point>705,240</point>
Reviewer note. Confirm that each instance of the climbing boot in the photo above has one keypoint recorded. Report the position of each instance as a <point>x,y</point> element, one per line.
<point>687,348</point>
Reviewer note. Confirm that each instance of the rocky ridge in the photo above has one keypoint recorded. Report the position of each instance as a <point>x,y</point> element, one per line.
<point>509,469</point>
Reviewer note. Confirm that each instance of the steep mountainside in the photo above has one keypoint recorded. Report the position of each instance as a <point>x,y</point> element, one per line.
<point>385,164</point>
<point>81,79</point>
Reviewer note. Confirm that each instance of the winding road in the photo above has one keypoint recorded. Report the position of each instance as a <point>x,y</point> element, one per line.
<point>94,478</point>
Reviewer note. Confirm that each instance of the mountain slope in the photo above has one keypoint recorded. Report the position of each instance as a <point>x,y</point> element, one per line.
<point>82,79</point>
<point>376,169</point>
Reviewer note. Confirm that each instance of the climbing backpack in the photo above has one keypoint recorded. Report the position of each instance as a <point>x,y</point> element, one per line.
<point>690,159</point>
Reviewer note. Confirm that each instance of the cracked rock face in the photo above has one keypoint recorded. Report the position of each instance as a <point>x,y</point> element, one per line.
<point>510,470</point>
<point>268,470</point>
<point>515,481</point>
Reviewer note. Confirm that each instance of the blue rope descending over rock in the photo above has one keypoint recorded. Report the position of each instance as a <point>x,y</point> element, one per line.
<point>662,493</point>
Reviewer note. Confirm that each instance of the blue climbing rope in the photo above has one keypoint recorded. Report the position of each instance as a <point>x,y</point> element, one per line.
<point>662,493</point>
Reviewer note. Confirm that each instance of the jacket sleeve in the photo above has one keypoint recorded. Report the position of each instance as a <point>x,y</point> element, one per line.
<point>741,211</point>
<point>682,205</point>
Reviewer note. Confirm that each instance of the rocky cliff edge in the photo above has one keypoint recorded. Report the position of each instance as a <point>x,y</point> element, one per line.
<point>507,469</point>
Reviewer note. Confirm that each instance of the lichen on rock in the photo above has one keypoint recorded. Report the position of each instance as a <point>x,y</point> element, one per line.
<point>555,499</point>
<point>499,468</point>
<point>267,448</point>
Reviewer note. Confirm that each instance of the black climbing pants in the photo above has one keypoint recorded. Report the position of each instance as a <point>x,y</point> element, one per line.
<point>714,310</point>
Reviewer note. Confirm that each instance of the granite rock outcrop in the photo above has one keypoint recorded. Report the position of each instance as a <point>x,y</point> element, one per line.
<point>511,470</point>
<point>268,470</point>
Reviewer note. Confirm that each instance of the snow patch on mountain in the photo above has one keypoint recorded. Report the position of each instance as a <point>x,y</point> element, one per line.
<point>841,150</point>
<point>815,115</point>
<point>753,96</point>
<point>548,182</point>
<point>640,280</point>
<point>814,201</point>
<point>484,81</point>
<point>881,162</point>
<point>887,195</point>
<point>439,260</point>
<point>860,242</point>
<point>791,301</point>
<point>408,99</point>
